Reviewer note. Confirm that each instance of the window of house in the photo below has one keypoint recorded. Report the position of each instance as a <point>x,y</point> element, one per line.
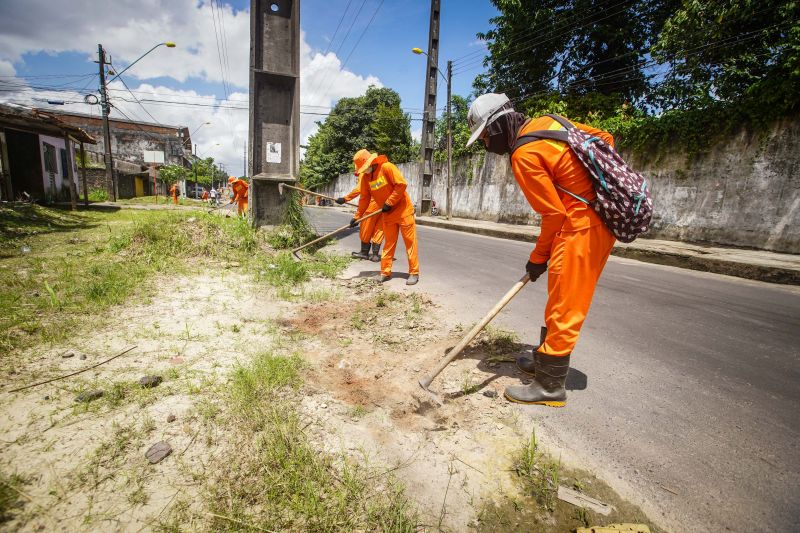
<point>50,164</point>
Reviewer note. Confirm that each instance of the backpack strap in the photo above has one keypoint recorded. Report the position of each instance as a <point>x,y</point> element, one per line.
<point>556,135</point>
<point>566,124</point>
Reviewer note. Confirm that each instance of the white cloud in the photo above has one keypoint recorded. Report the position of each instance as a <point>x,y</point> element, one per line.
<point>127,29</point>
<point>30,27</point>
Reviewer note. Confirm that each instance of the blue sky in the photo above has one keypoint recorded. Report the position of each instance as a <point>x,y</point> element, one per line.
<point>37,42</point>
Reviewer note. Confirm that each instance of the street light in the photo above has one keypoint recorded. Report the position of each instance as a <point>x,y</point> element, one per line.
<point>101,56</point>
<point>168,44</point>
<point>448,80</point>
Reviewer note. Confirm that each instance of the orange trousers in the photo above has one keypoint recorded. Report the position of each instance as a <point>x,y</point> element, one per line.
<point>408,228</point>
<point>175,199</point>
<point>241,206</point>
<point>371,230</point>
<point>576,262</point>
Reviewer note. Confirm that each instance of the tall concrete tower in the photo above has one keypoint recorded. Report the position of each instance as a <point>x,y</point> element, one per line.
<point>274,143</point>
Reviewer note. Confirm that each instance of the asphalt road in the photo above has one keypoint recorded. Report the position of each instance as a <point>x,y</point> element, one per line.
<point>685,385</point>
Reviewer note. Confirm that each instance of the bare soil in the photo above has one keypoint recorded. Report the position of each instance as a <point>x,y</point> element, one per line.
<point>366,347</point>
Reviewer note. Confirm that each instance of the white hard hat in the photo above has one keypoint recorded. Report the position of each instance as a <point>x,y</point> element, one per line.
<point>486,108</point>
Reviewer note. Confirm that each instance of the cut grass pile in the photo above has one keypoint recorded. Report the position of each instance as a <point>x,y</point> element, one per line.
<point>60,269</point>
<point>274,478</point>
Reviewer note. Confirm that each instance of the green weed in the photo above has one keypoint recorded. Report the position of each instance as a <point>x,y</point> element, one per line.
<point>10,495</point>
<point>274,478</point>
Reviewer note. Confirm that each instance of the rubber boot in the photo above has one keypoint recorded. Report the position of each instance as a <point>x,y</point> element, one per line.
<point>547,387</point>
<point>528,364</point>
<point>364,253</point>
<point>413,279</point>
<point>375,255</point>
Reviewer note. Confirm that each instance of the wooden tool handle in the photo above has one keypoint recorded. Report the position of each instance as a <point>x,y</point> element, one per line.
<point>426,381</point>
<point>334,232</point>
<point>317,194</point>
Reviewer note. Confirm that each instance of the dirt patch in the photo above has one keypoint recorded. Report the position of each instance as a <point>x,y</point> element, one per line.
<point>84,464</point>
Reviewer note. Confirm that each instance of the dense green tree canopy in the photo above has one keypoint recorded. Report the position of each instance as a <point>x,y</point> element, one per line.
<point>731,50</point>
<point>647,69</point>
<point>573,47</point>
<point>373,121</point>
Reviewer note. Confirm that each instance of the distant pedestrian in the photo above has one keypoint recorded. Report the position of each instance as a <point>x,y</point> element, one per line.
<point>213,196</point>
<point>573,241</point>
<point>204,196</point>
<point>174,192</point>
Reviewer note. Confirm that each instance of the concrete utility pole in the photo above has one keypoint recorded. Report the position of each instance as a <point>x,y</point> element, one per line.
<point>111,183</point>
<point>429,111</point>
<point>449,140</point>
<point>274,137</point>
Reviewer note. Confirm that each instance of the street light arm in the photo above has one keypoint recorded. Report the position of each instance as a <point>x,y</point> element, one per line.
<point>118,74</point>
<point>419,51</point>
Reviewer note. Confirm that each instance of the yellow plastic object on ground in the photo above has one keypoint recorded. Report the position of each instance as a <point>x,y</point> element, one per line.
<point>615,528</point>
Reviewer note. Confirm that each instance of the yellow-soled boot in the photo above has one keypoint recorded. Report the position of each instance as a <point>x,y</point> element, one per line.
<point>547,387</point>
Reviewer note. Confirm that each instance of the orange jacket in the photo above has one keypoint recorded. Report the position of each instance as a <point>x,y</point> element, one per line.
<point>173,191</point>
<point>357,191</point>
<point>239,190</point>
<point>385,186</point>
<point>538,167</point>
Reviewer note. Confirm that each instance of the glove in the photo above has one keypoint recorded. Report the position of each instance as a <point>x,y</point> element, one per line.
<point>354,223</point>
<point>340,200</point>
<point>535,270</point>
<point>386,208</point>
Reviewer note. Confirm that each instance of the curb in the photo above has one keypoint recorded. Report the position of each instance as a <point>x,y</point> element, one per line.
<point>703,263</point>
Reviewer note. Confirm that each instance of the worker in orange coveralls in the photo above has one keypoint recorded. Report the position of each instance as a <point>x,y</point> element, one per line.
<point>239,188</point>
<point>371,230</point>
<point>174,192</point>
<point>383,183</point>
<point>573,245</point>
<point>204,196</point>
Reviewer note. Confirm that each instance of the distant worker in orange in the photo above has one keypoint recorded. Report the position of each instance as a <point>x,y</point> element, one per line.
<point>383,183</point>
<point>574,242</point>
<point>371,230</point>
<point>204,196</point>
<point>174,192</point>
<point>239,188</point>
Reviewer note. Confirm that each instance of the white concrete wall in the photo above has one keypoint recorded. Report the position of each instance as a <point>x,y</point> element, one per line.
<point>744,192</point>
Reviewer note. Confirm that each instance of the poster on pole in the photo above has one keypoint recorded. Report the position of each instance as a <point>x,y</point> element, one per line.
<point>273,152</point>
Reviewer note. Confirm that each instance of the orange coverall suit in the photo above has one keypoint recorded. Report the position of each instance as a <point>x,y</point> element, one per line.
<point>573,238</point>
<point>173,191</point>
<point>240,195</point>
<point>371,230</point>
<point>386,185</point>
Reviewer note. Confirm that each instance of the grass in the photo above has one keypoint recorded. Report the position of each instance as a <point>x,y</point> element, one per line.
<point>60,270</point>
<point>98,195</point>
<point>153,200</point>
<point>10,494</point>
<point>536,507</point>
<point>275,479</point>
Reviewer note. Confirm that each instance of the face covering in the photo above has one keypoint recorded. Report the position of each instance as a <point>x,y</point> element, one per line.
<point>502,132</point>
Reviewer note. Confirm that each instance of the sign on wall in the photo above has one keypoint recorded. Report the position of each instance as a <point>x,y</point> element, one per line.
<point>154,156</point>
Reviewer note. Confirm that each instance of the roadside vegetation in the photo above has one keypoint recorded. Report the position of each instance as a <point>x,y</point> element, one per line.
<point>275,478</point>
<point>52,283</point>
<point>262,391</point>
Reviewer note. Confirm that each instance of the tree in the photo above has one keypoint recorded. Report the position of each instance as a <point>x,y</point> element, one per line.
<point>539,48</point>
<point>730,51</point>
<point>172,173</point>
<point>461,132</point>
<point>374,121</point>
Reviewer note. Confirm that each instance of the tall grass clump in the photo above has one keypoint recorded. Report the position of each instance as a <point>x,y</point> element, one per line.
<point>275,479</point>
